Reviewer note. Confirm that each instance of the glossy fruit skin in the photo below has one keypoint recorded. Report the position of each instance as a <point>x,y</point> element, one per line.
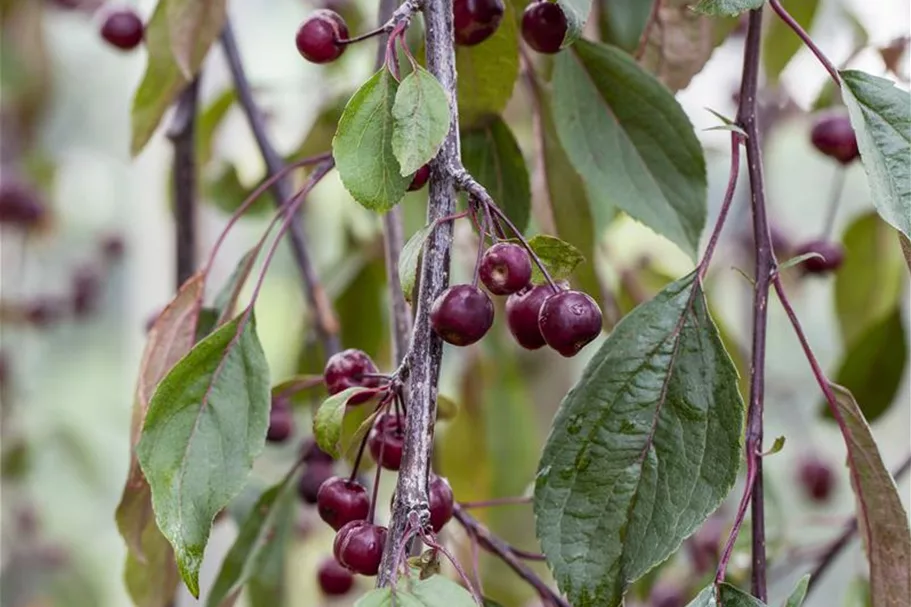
<point>833,136</point>
<point>20,204</point>
<point>522,312</point>
<point>833,253</point>
<point>441,503</point>
<point>341,501</point>
<point>816,478</point>
<point>387,437</point>
<point>281,422</point>
<point>505,268</point>
<point>123,29</point>
<point>569,321</point>
<point>359,547</point>
<point>311,480</point>
<point>333,578</point>
<point>476,20</point>
<point>318,36</point>
<point>421,176</point>
<point>346,369</point>
<point>544,26</point>
<point>462,315</point>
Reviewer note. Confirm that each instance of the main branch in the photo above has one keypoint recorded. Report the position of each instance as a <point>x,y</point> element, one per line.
<point>426,351</point>
<point>182,133</point>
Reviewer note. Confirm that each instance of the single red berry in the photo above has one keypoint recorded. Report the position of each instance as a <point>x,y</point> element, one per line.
<point>346,370</point>
<point>544,26</point>
<point>312,479</point>
<point>281,422</point>
<point>833,254</point>
<point>505,268</point>
<point>420,178</point>
<point>817,478</point>
<point>569,321</point>
<point>318,37</point>
<point>334,580</point>
<point>20,204</point>
<point>462,314</point>
<point>310,453</point>
<point>341,501</point>
<point>522,312</point>
<point>441,503</point>
<point>123,29</point>
<point>833,136</point>
<point>476,20</point>
<point>387,437</point>
<point>359,546</point>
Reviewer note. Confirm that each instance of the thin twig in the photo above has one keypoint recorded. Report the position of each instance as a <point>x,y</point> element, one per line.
<point>182,133</point>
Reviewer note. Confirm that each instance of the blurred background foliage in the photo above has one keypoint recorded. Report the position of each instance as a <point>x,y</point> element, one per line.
<point>79,287</point>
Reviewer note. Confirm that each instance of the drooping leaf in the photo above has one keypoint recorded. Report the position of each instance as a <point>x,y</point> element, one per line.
<point>327,423</point>
<point>881,116</point>
<point>559,257</point>
<point>679,43</point>
<point>488,72</point>
<point>151,580</point>
<point>874,365</point>
<point>780,43</point>
<point>622,22</point>
<point>642,450</point>
<point>421,115</point>
<point>576,12</point>
<point>256,543</point>
<point>206,424</point>
<point>492,156</point>
<point>226,300</point>
<point>632,144</point>
<point>881,517</point>
<point>161,83</point>
<point>726,8</point>
<point>193,26</point>
<point>795,599</point>
<point>409,257</point>
<point>730,597</point>
<point>362,145</point>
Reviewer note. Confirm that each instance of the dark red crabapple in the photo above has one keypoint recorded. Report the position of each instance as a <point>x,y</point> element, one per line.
<point>346,370</point>
<point>359,546</point>
<point>833,254</point>
<point>833,136</point>
<point>123,29</point>
<point>569,321</point>
<point>476,20</point>
<point>522,312</point>
<point>420,178</point>
<point>505,268</point>
<point>341,501</point>
<point>312,479</point>
<point>544,26</point>
<point>387,437</point>
<point>462,315</point>
<point>20,204</point>
<point>281,422</point>
<point>334,580</point>
<point>318,37</point>
<point>310,453</point>
<point>817,478</point>
<point>441,503</point>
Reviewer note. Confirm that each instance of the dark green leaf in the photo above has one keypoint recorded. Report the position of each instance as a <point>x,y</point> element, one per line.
<point>327,423</point>
<point>560,258</point>
<point>780,43</point>
<point>643,448</point>
<point>799,593</point>
<point>576,12</point>
<point>362,146</point>
<point>213,406</point>
<point>193,26</point>
<point>408,259</point>
<point>488,72</point>
<point>492,156</point>
<point>726,8</point>
<point>881,117</point>
<point>632,144</point>
<point>730,597</point>
<point>421,115</point>
<point>881,516</point>
<point>208,320</point>
<point>622,22</point>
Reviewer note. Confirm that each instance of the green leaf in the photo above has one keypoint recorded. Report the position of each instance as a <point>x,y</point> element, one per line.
<point>193,26</point>
<point>874,365</point>
<point>799,259</point>
<point>726,8</point>
<point>421,115</point>
<point>881,116</point>
<point>363,149</point>
<point>492,156</point>
<point>576,12</point>
<point>409,257</point>
<point>161,83</point>
<point>256,543</point>
<point>488,72</point>
<point>727,124</point>
<point>730,597</point>
<point>622,22</point>
<point>881,516</point>
<point>560,258</point>
<point>446,408</point>
<point>776,447</point>
<point>868,285</point>
<point>327,423</point>
<point>799,593</point>
<point>780,43</point>
<point>208,122</point>
<point>642,450</point>
<point>435,591</point>
<point>381,597</point>
<point>633,144</point>
<point>206,424</point>
<point>152,579</point>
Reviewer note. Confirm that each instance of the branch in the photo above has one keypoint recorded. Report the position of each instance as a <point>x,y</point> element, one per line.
<point>283,190</point>
<point>182,133</point>
<point>426,350</point>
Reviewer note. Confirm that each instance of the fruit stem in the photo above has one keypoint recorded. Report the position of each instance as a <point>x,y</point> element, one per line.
<point>360,450</point>
<point>376,484</point>
<point>366,36</point>
<point>482,227</point>
<point>805,37</point>
<point>182,133</point>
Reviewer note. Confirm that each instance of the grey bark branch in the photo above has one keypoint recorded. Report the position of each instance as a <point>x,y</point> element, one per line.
<point>426,350</point>
<point>182,133</point>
